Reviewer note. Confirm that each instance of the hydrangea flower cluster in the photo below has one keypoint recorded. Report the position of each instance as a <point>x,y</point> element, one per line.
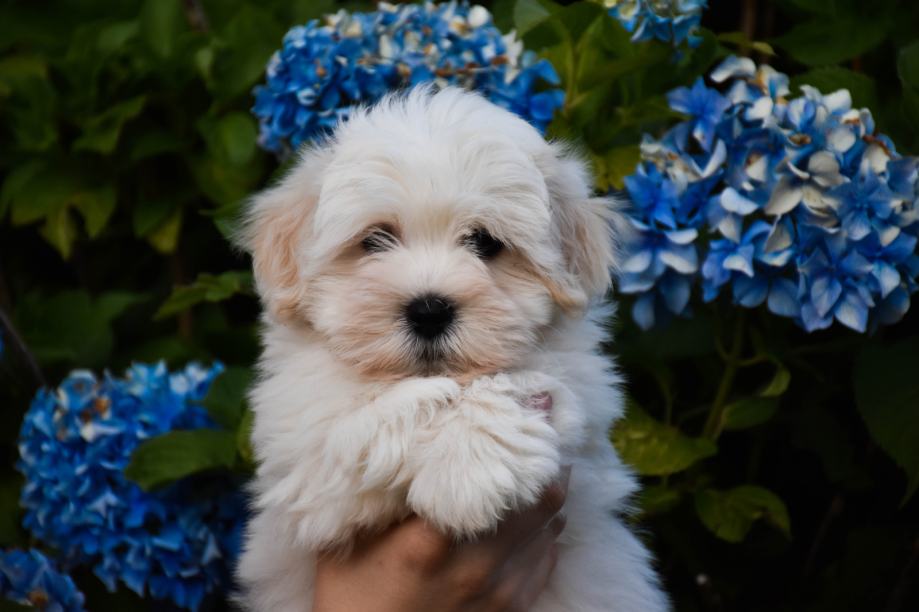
<point>176,543</point>
<point>29,578</point>
<point>674,21</point>
<point>793,202</point>
<point>326,68</point>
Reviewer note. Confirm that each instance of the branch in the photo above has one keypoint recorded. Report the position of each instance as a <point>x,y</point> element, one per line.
<point>20,344</point>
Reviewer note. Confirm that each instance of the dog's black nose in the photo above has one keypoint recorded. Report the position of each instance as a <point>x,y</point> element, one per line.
<point>430,315</point>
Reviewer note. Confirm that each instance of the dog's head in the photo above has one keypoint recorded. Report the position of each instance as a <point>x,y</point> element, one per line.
<point>433,233</point>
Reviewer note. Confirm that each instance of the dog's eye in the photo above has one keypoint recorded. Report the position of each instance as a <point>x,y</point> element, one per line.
<point>379,239</point>
<point>484,244</point>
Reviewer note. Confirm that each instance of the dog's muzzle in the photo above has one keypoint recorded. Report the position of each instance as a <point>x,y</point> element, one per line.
<point>430,316</point>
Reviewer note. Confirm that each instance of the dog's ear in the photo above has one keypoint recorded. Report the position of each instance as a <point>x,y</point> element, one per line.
<point>275,231</point>
<point>588,229</point>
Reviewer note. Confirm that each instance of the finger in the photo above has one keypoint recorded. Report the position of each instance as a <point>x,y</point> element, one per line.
<point>417,545</point>
<point>538,579</point>
<point>530,520</point>
<point>518,528</point>
<point>526,573</point>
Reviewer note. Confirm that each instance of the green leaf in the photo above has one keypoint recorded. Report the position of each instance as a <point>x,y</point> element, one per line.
<point>72,325</point>
<point>114,37</point>
<point>617,164</point>
<point>528,14</point>
<point>829,79</point>
<point>226,399</point>
<point>739,39</point>
<point>60,230</point>
<point>908,66</point>
<point>779,383</point>
<point>101,132</point>
<point>111,304</point>
<point>223,183</point>
<point>830,41</point>
<point>244,437</point>
<point>96,206</point>
<point>226,219</point>
<point>154,142</point>
<point>43,192</point>
<point>731,514</point>
<point>231,138</point>
<point>246,44</point>
<point>655,449</point>
<point>165,238</point>
<point>658,499</point>
<point>177,454</point>
<point>161,22</point>
<point>749,412</point>
<point>30,101</point>
<point>206,288</point>
<point>148,215</point>
<point>40,191</point>
<point>16,181</point>
<point>887,396</point>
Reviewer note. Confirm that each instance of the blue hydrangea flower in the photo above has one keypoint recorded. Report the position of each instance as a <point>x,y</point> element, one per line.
<point>674,21</point>
<point>327,67</point>
<point>29,578</point>
<point>177,543</point>
<point>796,203</point>
<point>705,107</point>
<point>663,256</point>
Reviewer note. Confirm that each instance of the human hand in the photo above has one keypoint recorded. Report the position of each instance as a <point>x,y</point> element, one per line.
<point>411,567</point>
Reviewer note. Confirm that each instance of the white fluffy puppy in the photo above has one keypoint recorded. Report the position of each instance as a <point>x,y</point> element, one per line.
<point>424,272</point>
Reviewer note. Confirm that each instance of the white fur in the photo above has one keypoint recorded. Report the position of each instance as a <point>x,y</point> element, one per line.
<point>354,430</point>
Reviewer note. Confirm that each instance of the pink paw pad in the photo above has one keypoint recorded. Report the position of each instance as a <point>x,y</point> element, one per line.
<point>540,401</point>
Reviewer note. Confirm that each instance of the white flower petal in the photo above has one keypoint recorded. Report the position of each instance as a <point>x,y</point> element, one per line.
<point>841,139</point>
<point>801,174</point>
<point>738,263</point>
<point>761,109</point>
<point>785,197</point>
<point>733,201</point>
<point>757,169</point>
<point>733,67</point>
<point>876,158</point>
<point>730,227</point>
<point>838,101</point>
<point>684,236</point>
<point>478,16</point>
<point>779,238</point>
<point>638,262</point>
<point>682,259</point>
<point>823,163</point>
<point>888,234</point>
<point>714,161</point>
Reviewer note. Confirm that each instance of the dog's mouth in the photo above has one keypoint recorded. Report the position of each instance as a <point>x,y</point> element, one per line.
<point>432,357</point>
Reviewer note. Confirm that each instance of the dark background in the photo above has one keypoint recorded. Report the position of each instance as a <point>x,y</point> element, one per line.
<point>126,147</point>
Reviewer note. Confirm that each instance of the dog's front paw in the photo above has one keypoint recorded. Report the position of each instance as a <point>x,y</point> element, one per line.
<point>543,393</point>
<point>485,455</point>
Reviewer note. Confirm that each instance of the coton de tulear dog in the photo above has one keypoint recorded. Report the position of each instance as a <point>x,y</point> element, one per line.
<point>425,271</point>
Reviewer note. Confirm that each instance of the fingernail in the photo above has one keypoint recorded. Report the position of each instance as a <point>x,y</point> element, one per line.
<point>557,525</point>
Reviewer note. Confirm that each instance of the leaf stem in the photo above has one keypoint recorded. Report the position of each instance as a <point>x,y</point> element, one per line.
<point>7,324</point>
<point>714,423</point>
<point>748,23</point>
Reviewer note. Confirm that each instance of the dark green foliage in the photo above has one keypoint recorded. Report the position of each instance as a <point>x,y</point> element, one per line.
<point>779,467</point>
